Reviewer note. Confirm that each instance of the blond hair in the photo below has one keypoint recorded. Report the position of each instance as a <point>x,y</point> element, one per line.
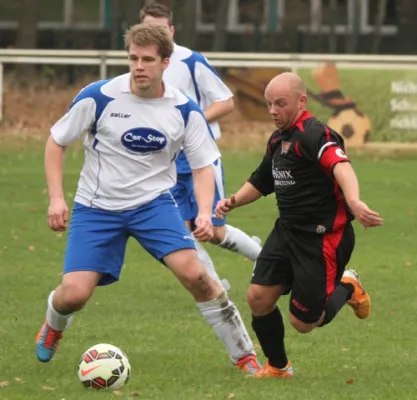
<point>156,10</point>
<point>145,35</point>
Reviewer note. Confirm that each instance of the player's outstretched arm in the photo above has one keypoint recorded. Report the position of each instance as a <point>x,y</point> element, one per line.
<point>66,130</point>
<point>218,109</point>
<point>245,195</point>
<point>214,91</point>
<point>203,179</point>
<point>348,182</point>
<point>54,171</point>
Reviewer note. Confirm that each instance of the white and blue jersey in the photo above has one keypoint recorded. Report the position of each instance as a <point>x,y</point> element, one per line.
<point>131,143</point>
<point>190,72</point>
<point>124,188</point>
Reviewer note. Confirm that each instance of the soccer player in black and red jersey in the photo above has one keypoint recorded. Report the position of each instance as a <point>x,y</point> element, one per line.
<point>312,240</point>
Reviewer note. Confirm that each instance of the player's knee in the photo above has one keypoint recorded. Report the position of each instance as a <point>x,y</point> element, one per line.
<point>198,282</point>
<point>259,301</point>
<point>74,296</point>
<point>194,278</point>
<point>300,326</point>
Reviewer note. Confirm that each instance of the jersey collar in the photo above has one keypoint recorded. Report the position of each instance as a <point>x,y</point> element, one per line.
<point>304,115</point>
<point>298,123</point>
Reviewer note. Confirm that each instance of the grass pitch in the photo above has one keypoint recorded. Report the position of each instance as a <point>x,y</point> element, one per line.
<point>173,352</point>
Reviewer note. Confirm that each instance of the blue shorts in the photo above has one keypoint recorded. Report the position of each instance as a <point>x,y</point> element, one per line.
<point>97,238</point>
<point>183,193</point>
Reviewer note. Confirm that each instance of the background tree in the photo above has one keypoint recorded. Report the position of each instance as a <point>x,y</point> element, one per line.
<point>222,13</point>
<point>354,21</point>
<point>185,21</point>
<point>407,26</point>
<point>332,24</point>
<point>27,34</point>
<point>380,18</point>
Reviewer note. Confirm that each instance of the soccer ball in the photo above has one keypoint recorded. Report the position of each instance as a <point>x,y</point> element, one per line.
<point>104,367</point>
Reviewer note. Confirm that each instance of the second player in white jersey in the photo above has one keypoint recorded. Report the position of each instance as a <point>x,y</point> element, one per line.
<point>190,72</point>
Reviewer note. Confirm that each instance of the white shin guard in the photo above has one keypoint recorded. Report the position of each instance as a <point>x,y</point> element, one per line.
<point>239,241</point>
<point>226,321</point>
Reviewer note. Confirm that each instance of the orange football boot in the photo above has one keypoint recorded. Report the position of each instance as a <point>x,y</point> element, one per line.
<point>268,371</point>
<point>360,301</point>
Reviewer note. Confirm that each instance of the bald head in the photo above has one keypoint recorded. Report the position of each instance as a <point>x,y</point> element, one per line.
<point>286,98</point>
<point>287,81</point>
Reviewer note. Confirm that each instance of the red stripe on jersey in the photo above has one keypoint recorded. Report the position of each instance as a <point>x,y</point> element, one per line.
<point>332,240</point>
<point>327,130</point>
<point>297,149</point>
<point>332,155</point>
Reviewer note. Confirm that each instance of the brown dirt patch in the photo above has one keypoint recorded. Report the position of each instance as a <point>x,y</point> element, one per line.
<point>32,110</point>
<point>29,112</point>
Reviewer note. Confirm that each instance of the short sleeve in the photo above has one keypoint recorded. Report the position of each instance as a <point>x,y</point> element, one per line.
<point>210,84</point>
<point>323,147</point>
<point>74,123</point>
<point>199,146</point>
<point>83,114</point>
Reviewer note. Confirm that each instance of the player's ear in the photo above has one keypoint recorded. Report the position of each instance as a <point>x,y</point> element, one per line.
<point>165,63</point>
<point>303,101</point>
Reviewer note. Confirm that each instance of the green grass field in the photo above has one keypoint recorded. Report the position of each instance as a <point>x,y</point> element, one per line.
<point>174,354</point>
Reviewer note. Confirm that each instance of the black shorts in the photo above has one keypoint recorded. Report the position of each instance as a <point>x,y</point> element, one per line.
<point>309,264</point>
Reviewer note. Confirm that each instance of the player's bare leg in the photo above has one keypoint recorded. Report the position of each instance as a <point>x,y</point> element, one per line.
<point>207,261</point>
<point>267,322</point>
<point>75,290</point>
<point>216,307</point>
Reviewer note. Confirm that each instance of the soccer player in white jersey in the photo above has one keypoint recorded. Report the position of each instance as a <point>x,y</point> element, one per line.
<point>190,72</point>
<point>136,125</point>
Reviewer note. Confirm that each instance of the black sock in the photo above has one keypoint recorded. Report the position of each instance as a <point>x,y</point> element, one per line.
<point>270,332</point>
<point>337,300</point>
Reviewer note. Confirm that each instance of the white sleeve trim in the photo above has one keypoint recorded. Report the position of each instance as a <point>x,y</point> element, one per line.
<point>207,162</point>
<point>324,148</point>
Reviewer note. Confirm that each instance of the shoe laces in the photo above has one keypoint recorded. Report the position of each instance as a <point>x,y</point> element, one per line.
<point>52,338</point>
<point>270,370</point>
<point>249,364</point>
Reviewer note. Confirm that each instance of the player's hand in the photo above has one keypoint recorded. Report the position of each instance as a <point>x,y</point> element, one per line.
<point>367,217</point>
<point>58,215</point>
<point>224,206</point>
<point>204,228</point>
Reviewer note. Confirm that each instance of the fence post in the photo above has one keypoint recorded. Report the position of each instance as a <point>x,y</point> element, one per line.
<point>103,67</point>
<point>1,91</point>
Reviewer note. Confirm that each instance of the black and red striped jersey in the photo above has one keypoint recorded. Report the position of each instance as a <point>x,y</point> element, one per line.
<point>298,167</point>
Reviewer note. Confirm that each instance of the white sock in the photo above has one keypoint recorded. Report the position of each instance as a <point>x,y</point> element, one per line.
<point>237,240</point>
<point>54,319</point>
<point>226,321</point>
<point>209,265</point>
